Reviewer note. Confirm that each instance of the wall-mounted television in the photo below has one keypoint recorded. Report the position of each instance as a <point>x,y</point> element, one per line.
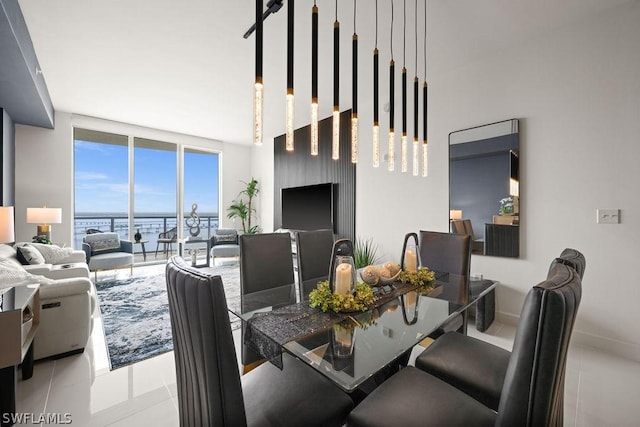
<point>308,208</point>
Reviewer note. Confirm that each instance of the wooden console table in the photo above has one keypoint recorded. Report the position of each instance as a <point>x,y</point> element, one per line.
<point>19,320</point>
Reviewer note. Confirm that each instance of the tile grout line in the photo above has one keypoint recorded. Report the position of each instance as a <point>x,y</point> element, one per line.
<point>46,400</point>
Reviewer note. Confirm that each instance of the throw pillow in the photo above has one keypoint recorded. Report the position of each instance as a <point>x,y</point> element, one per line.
<point>103,241</point>
<point>28,255</point>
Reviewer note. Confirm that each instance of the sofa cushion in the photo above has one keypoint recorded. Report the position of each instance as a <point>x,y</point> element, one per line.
<point>28,255</point>
<point>101,242</point>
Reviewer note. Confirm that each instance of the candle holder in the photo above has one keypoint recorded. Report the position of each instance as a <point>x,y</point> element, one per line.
<point>342,343</point>
<point>410,259</point>
<point>342,273</point>
<point>409,303</point>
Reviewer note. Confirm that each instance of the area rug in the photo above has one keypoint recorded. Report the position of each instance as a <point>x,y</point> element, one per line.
<point>135,312</point>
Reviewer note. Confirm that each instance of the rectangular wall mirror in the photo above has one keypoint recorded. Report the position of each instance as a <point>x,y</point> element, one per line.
<point>484,187</point>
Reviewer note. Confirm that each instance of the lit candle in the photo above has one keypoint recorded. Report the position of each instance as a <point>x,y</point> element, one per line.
<point>343,337</point>
<point>410,299</point>
<point>410,261</point>
<point>343,279</point>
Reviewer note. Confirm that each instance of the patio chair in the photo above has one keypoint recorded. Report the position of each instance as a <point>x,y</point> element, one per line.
<point>167,238</point>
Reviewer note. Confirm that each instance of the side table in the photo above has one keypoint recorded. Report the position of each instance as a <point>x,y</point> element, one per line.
<point>19,320</point>
<point>142,243</point>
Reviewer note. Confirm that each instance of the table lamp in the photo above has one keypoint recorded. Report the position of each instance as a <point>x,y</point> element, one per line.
<point>455,214</point>
<point>7,229</point>
<point>43,217</point>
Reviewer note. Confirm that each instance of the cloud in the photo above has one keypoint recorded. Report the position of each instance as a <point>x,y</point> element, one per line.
<point>90,176</point>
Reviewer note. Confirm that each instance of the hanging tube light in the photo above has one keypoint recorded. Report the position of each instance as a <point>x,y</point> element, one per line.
<point>290,99</point>
<point>391,154</point>
<point>335,146</point>
<point>425,168</point>
<point>258,89</point>
<point>416,165</point>
<point>376,127</point>
<point>403,138</point>
<point>354,91</point>
<point>314,80</point>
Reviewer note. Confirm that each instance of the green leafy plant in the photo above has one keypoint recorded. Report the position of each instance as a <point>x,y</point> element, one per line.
<point>423,278</point>
<point>506,205</point>
<point>365,252</point>
<point>245,210</point>
<point>41,238</point>
<point>322,297</point>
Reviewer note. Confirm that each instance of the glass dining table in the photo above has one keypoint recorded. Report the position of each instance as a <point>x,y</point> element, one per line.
<point>348,348</point>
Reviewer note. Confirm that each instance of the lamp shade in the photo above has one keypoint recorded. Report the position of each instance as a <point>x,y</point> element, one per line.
<point>44,215</point>
<point>455,214</point>
<point>7,230</point>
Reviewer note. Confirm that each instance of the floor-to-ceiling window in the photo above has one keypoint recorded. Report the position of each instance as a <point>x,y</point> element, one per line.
<point>154,191</point>
<point>101,193</point>
<point>128,184</point>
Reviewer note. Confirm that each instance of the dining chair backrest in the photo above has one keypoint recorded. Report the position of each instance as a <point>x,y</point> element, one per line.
<point>445,252</point>
<point>313,251</point>
<point>205,358</point>
<point>266,261</point>
<point>458,226</point>
<point>533,385</point>
<point>450,254</point>
<point>572,258</point>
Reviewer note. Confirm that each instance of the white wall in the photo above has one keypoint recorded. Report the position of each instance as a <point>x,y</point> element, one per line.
<point>577,93</point>
<point>44,168</point>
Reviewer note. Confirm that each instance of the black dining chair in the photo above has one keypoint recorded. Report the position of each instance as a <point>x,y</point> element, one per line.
<point>210,389</point>
<point>449,255</point>
<point>481,376</point>
<point>266,262</point>
<point>313,251</point>
<point>531,394</point>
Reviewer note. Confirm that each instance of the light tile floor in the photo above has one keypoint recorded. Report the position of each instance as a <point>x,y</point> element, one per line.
<point>600,390</point>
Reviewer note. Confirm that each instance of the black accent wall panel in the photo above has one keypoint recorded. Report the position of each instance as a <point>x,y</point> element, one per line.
<point>298,168</point>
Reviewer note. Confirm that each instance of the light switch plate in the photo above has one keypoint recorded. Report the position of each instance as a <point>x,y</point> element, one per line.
<point>608,216</point>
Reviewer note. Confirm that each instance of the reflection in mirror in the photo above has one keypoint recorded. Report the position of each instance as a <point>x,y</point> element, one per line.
<point>484,187</point>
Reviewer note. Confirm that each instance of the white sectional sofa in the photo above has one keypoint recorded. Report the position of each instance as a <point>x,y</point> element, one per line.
<point>67,295</point>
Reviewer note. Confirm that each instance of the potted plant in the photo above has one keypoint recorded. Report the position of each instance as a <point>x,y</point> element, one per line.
<point>506,206</point>
<point>244,210</point>
<point>365,252</point>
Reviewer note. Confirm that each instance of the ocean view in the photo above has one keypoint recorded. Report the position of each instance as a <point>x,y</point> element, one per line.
<point>149,225</point>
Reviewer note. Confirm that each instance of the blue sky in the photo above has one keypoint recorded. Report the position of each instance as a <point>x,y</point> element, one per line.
<point>101,182</point>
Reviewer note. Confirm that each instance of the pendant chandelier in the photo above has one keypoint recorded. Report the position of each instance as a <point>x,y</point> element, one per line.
<point>354,91</point>
<point>335,150</point>
<point>391,149</point>
<point>376,127</point>
<point>314,80</point>
<point>274,6</point>
<point>289,131</point>
<point>257,90</point>
<point>425,169</point>
<point>403,138</point>
<point>416,165</point>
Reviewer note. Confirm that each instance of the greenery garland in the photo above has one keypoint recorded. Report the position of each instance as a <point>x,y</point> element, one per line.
<point>322,297</point>
<point>422,279</point>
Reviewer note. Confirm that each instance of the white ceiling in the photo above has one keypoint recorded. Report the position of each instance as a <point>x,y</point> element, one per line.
<point>184,66</point>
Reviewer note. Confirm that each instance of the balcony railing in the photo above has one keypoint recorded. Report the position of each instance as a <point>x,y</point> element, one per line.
<point>149,225</point>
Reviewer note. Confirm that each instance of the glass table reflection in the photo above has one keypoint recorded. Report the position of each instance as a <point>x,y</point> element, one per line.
<point>348,348</point>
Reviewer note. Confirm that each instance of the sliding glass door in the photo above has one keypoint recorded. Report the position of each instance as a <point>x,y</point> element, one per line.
<point>101,190</point>
<point>154,193</point>
<point>134,185</point>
